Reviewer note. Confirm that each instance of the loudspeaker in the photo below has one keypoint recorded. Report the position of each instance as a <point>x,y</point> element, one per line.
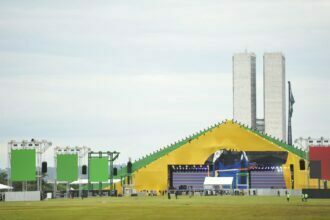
<point>84,169</point>
<point>44,167</point>
<point>302,165</point>
<point>114,171</point>
<point>129,167</point>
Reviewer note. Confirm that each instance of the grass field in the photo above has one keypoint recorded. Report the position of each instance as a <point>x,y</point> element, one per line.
<point>226,207</point>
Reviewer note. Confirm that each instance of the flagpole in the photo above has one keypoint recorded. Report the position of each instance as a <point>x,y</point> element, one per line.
<point>290,115</point>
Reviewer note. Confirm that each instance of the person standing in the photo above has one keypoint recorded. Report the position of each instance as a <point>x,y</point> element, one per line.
<point>288,197</point>
<point>306,197</point>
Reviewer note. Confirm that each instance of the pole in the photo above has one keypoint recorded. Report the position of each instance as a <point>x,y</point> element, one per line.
<point>289,116</point>
<point>89,183</point>
<point>9,146</point>
<point>38,170</point>
<point>55,173</point>
<point>79,173</point>
<point>54,188</point>
<point>100,183</point>
<point>67,189</point>
<point>308,167</point>
<point>111,172</point>
<point>39,187</point>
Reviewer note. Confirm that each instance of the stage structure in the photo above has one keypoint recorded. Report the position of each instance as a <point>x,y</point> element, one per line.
<point>100,168</point>
<point>67,162</point>
<point>252,158</point>
<point>25,161</point>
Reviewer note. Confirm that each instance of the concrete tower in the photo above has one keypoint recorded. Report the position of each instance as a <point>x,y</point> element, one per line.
<point>274,95</point>
<point>244,86</point>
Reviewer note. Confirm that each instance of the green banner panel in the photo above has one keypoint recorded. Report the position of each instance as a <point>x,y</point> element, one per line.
<point>67,167</point>
<point>98,170</point>
<point>23,165</point>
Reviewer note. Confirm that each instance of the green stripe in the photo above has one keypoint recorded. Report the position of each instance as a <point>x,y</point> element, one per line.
<point>290,148</point>
<point>144,161</point>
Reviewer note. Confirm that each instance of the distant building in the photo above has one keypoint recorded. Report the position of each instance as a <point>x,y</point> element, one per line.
<point>305,143</point>
<point>244,88</point>
<point>260,124</point>
<point>274,95</point>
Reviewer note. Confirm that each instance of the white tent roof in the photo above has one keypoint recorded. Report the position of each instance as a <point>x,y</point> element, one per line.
<point>85,181</point>
<point>218,180</point>
<point>5,187</point>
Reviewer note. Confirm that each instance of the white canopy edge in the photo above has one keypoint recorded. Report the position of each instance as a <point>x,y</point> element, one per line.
<point>5,187</point>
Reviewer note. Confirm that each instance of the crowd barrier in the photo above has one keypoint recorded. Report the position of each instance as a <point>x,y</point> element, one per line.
<point>22,196</point>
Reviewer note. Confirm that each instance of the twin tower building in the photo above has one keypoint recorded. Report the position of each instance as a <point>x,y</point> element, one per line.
<point>244,85</point>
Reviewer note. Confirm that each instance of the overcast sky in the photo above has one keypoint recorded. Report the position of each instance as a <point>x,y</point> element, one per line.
<point>134,76</point>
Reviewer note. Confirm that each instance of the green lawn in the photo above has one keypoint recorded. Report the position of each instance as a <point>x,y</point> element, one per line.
<point>227,207</point>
